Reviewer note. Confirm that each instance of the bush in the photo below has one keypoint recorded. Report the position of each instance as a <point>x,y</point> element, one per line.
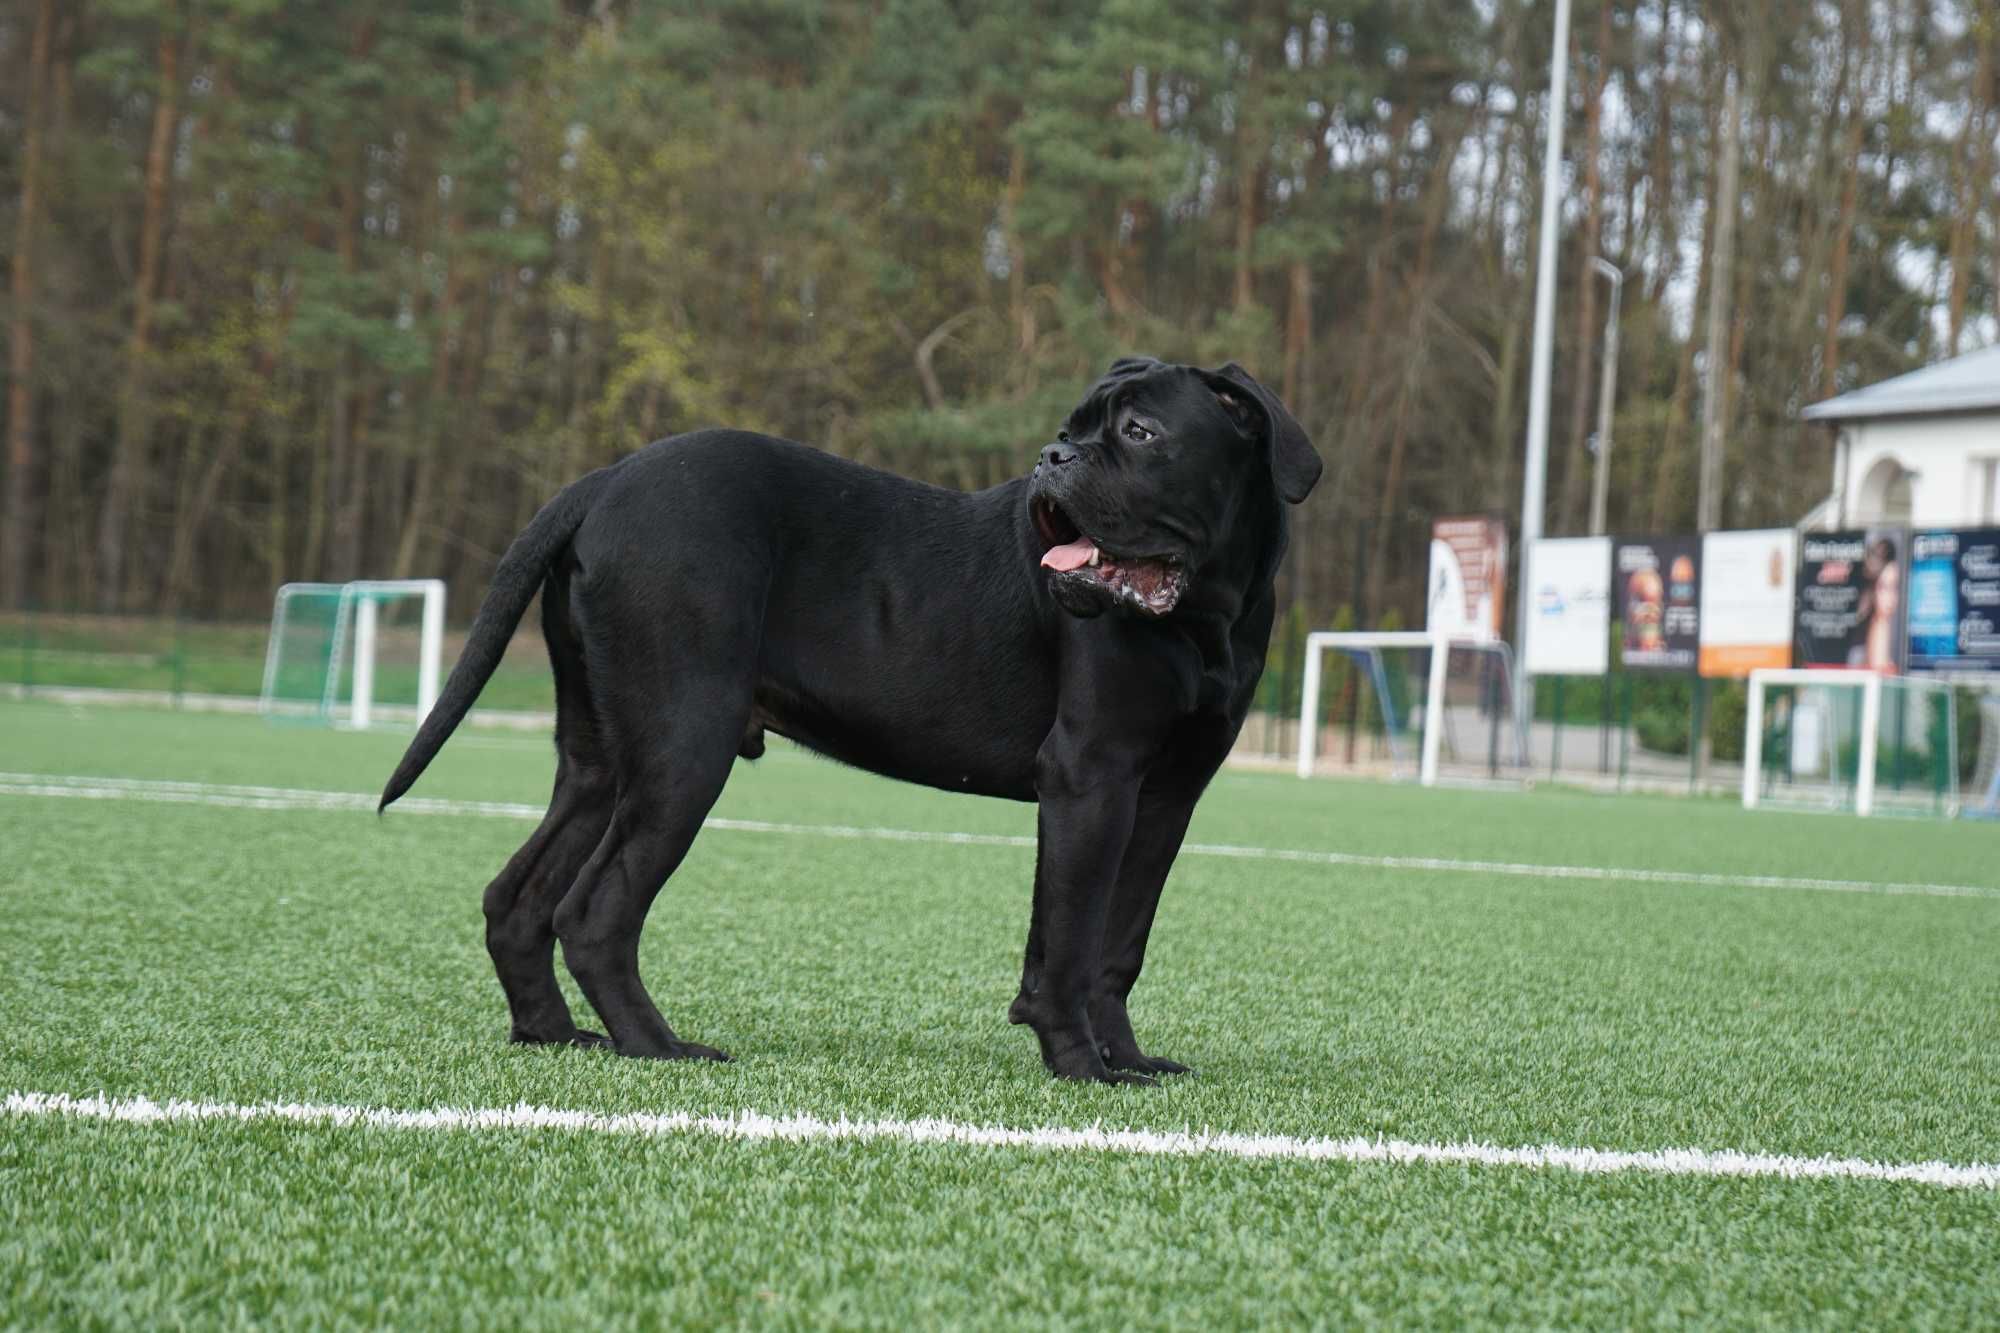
<point>1728,714</point>
<point>1971,722</point>
<point>1661,730</point>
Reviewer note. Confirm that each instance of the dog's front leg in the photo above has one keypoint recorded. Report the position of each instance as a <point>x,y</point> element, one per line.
<point>1158,828</point>
<point>1083,829</point>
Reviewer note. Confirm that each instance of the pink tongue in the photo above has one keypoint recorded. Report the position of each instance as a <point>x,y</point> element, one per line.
<point>1070,555</point>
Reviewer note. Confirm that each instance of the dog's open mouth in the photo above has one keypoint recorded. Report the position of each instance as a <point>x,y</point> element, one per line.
<point>1152,584</point>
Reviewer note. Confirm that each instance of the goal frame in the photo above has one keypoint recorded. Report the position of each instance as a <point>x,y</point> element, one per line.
<point>1441,643</point>
<point>1984,803</point>
<point>1867,739</point>
<point>356,614</point>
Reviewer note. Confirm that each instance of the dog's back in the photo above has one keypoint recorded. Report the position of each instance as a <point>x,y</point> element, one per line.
<point>893,632</point>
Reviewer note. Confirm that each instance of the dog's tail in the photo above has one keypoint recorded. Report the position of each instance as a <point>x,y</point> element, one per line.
<point>514,585</point>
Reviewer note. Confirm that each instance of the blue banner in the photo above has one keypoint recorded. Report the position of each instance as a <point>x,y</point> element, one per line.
<point>1955,600</point>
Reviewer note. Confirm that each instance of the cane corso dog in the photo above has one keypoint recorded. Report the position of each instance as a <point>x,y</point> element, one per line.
<point>1087,637</point>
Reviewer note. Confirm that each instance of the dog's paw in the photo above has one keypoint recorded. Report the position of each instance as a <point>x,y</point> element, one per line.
<point>1138,1062</point>
<point>1082,1065</point>
<point>574,1037</point>
<point>676,1050</point>
<point>1132,1077</point>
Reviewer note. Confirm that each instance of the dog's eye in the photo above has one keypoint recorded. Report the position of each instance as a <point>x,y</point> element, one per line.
<point>1137,433</point>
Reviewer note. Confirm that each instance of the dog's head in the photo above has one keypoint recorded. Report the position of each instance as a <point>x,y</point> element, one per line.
<point>1146,482</point>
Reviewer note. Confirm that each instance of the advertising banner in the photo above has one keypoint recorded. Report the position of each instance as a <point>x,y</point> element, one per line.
<point>1955,601</point>
<point>1468,576</point>
<point>1658,582</point>
<point>1746,601</point>
<point>1569,596</point>
<point>1850,600</point>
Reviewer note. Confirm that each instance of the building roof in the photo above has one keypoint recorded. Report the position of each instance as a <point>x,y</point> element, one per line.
<point>1963,384</point>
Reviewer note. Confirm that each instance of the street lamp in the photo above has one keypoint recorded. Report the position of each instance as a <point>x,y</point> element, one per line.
<point>1535,466</point>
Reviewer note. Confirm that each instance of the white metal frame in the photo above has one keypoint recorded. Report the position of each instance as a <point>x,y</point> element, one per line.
<point>1986,803</point>
<point>1867,740</point>
<point>1441,643</point>
<point>358,608</point>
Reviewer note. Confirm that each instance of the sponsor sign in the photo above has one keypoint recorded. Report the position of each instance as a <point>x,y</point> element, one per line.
<point>1746,601</point>
<point>1850,608</point>
<point>1569,603</point>
<point>1658,582</point>
<point>1468,576</point>
<point>1955,601</point>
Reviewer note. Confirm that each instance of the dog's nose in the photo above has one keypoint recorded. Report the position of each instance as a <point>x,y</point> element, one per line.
<point>1057,454</point>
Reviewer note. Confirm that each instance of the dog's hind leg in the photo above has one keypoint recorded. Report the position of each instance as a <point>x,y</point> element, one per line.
<point>673,695</point>
<point>521,901</point>
<point>659,811</point>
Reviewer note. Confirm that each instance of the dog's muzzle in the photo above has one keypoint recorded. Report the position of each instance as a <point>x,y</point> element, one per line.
<point>1078,565</point>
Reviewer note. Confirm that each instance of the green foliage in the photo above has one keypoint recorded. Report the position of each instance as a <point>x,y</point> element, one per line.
<point>422,262</point>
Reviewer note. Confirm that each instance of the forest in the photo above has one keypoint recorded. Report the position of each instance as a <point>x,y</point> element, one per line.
<point>322,290</point>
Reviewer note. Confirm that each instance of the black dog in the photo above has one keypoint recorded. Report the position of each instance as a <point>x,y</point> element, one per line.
<point>1087,638</point>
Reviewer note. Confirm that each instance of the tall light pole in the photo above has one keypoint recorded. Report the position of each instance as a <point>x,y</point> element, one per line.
<point>1600,477</point>
<point>1534,473</point>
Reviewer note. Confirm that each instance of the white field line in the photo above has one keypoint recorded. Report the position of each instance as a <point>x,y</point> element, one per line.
<point>292,798</point>
<point>753,1126</point>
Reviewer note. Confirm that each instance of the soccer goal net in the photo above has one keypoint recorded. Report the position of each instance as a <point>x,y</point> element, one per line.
<point>352,653</point>
<point>1982,799</point>
<point>1851,740</point>
<point>1409,705</point>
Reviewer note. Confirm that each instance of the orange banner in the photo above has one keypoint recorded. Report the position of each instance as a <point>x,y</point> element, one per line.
<point>1736,660</point>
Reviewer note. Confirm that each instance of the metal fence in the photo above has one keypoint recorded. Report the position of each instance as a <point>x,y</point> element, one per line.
<point>184,661</point>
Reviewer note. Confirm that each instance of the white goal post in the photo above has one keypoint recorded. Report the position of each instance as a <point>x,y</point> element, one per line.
<point>1867,729</point>
<point>1440,644</point>
<point>1985,803</point>
<point>351,634</point>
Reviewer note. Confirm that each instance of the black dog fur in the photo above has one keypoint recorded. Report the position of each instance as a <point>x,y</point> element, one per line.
<point>718,584</point>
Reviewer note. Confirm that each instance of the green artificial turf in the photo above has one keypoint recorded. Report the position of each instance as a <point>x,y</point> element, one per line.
<point>249,955</point>
<point>165,655</point>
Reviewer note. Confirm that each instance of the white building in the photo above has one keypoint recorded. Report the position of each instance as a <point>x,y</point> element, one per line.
<point>1922,449</point>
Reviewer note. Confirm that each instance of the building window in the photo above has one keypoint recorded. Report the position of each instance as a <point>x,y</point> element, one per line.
<point>1985,494</point>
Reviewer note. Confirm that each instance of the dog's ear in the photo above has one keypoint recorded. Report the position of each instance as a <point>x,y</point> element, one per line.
<point>1130,365</point>
<point>1295,464</point>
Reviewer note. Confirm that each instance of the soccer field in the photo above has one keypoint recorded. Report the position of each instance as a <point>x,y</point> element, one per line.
<point>1466,1057</point>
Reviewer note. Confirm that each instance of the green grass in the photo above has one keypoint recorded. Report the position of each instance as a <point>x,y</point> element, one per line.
<point>58,650</point>
<point>247,955</point>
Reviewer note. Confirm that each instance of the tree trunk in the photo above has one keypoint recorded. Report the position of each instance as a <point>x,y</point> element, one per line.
<point>1019,313</point>
<point>1583,356</point>
<point>1356,427</point>
<point>1249,186</point>
<point>1660,201</point>
<point>1667,468</point>
<point>1990,36</point>
<point>179,578</point>
<point>1111,278</point>
<point>1413,364</point>
<point>1708,505</point>
<point>344,474</point>
<point>1506,431</point>
<point>1975,181</point>
<point>1843,227</point>
<point>21,518</point>
<point>128,465</point>
<point>1298,337</point>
